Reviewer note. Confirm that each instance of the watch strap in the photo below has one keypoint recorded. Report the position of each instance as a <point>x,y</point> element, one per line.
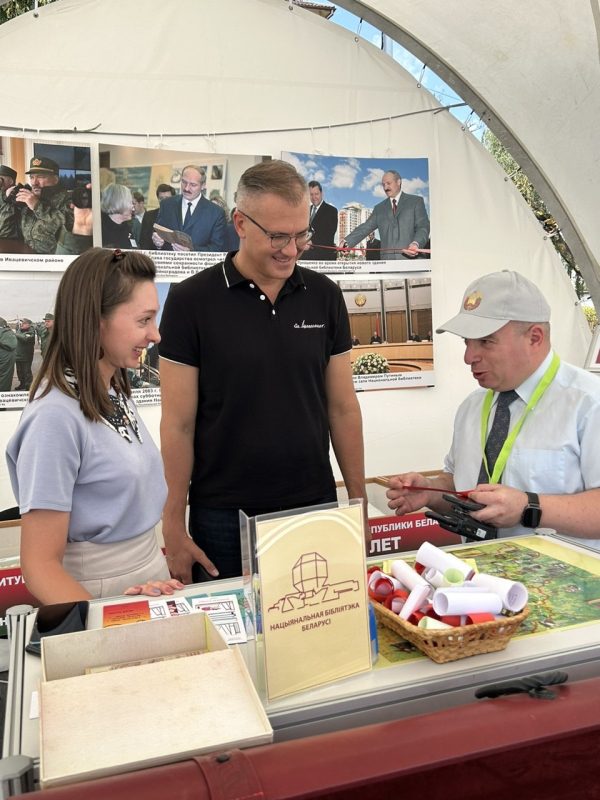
<point>532,513</point>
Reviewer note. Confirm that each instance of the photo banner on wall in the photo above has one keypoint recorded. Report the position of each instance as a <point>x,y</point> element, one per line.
<point>26,324</point>
<point>46,214</point>
<point>176,206</point>
<point>391,328</point>
<point>367,214</point>
<point>144,196</point>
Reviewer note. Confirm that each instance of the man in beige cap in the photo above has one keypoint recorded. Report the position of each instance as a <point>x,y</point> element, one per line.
<point>527,439</point>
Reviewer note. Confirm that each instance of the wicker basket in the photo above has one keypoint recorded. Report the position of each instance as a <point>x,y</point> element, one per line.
<point>450,644</point>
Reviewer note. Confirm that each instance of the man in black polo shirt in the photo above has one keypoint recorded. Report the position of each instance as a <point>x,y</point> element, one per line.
<point>255,379</point>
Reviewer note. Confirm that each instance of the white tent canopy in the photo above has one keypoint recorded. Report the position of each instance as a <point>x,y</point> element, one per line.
<point>531,70</point>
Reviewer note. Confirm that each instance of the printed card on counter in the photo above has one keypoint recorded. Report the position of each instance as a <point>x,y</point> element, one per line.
<point>144,610</point>
<point>224,612</point>
<point>124,613</point>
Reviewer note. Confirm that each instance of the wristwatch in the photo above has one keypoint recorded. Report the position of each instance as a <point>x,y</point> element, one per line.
<point>532,513</point>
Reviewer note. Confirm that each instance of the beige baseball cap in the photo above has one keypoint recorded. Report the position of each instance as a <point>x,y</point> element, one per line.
<point>495,299</point>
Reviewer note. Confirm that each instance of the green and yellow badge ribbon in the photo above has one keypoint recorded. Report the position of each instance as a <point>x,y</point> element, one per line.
<point>537,395</point>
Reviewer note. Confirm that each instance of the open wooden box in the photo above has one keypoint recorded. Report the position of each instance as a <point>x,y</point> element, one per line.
<point>107,722</point>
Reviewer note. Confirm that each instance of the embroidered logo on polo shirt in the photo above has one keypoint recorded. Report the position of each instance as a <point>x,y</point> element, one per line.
<point>305,324</point>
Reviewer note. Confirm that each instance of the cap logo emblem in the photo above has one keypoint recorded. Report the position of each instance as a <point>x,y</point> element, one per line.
<point>36,162</point>
<point>472,301</point>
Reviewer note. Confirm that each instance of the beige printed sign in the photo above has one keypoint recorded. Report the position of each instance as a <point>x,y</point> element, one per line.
<point>313,597</point>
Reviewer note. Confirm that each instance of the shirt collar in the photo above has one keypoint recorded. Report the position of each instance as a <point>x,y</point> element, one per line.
<point>233,277</point>
<point>396,197</point>
<point>184,204</point>
<point>527,388</point>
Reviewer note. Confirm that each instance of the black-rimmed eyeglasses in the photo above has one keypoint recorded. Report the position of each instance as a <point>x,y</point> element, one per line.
<point>281,240</point>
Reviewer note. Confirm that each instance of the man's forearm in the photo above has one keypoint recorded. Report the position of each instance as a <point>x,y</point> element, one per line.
<point>177,448</point>
<point>347,441</point>
<point>572,514</point>
<point>359,233</point>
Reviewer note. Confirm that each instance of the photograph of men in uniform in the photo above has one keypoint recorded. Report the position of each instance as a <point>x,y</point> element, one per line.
<point>25,334</point>
<point>44,216</point>
<point>8,351</point>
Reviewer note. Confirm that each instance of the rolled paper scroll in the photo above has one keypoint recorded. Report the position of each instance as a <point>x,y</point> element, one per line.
<point>381,585</point>
<point>453,620</point>
<point>468,602</point>
<point>405,574</point>
<point>514,595</point>
<point>417,598</point>
<point>417,615</point>
<point>434,577</point>
<point>430,556</point>
<point>475,619</point>
<point>398,600</point>
<point>430,623</point>
<point>453,577</point>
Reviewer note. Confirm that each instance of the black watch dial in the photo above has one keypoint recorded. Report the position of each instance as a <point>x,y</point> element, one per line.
<point>532,513</point>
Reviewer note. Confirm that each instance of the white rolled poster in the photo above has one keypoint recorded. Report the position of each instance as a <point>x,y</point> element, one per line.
<point>431,556</point>
<point>514,594</point>
<point>452,601</point>
<point>416,599</point>
<point>406,575</point>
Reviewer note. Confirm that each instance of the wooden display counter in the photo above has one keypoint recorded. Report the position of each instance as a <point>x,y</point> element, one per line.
<point>403,683</point>
<point>511,746</point>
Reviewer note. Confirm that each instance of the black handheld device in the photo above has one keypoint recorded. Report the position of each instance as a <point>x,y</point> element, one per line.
<point>459,520</point>
<point>55,619</point>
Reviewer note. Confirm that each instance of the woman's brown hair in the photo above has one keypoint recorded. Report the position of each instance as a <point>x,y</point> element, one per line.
<point>92,287</point>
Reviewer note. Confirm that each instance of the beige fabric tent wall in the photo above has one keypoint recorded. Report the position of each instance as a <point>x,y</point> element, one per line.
<point>262,76</point>
<point>531,70</point>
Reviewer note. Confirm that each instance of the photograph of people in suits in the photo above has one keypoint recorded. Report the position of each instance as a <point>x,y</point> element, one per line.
<point>373,248</point>
<point>324,221</point>
<point>163,190</point>
<point>190,212</point>
<point>401,219</point>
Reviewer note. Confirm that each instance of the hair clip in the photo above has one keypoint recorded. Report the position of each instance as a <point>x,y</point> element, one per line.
<point>117,255</point>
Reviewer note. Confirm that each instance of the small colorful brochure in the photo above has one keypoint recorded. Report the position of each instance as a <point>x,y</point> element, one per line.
<point>222,609</point>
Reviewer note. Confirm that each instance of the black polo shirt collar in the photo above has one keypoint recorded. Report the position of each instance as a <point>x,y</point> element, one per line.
<point>235,278</point>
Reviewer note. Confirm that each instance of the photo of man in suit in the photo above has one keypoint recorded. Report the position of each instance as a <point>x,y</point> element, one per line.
<point>401,219</point>
<point>324,221</point>
<point>163,190</point>
<point>373,248</point>
<point>190,212</point>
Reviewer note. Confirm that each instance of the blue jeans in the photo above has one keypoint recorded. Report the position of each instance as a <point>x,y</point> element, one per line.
<point>217,532</point>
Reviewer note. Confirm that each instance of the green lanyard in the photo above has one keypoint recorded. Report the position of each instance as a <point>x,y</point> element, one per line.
<point>539,390</point>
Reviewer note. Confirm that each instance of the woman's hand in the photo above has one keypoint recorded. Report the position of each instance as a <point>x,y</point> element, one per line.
<point>155,588</point>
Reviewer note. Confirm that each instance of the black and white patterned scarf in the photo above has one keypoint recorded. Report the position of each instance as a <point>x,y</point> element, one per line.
<point>122,417</point>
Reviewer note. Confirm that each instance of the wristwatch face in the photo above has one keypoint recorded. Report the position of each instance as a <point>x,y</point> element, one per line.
<point>532,514</point>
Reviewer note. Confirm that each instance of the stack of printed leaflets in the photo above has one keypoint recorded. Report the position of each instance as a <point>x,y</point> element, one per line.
<point>229,612</point>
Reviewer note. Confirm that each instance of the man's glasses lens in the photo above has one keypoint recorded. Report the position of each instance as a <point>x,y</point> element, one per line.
<point>279,241</point>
